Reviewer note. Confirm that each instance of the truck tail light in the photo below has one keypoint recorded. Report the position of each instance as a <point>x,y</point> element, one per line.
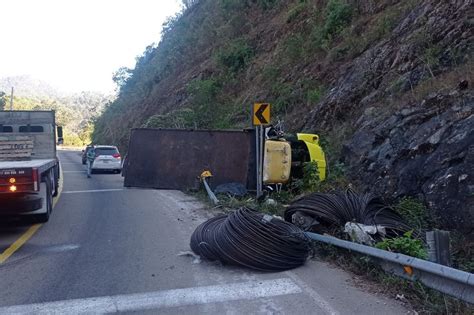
<point>20,181</point>
<point>35,179</point>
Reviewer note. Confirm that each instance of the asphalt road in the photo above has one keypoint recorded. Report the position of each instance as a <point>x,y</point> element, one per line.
<point>111,249</point>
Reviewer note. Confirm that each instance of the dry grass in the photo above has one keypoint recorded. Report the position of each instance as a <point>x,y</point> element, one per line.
<point>444,82</point>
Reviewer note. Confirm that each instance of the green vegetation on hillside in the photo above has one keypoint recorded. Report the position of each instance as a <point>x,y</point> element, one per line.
<point>213,60</point>
<point>75,113</point>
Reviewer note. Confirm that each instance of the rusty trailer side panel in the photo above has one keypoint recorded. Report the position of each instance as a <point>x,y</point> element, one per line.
<point>174,158</point>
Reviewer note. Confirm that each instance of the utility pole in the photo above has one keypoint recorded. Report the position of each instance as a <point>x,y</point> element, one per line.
<point>11,100</point>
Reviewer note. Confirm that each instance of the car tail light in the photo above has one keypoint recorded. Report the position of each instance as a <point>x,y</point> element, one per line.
<point>116,155</point>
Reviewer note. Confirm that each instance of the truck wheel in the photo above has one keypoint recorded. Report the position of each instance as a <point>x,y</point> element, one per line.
<point>44,217</point>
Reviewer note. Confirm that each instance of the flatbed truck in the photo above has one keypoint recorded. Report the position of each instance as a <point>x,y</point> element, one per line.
<point>29,166</point>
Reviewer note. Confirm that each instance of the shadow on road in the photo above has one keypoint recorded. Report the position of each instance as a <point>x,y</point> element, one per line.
<point>110,172</point>
<point>13,225</point>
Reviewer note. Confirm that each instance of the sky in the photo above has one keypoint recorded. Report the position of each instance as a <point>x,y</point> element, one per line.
<point>76,45</point>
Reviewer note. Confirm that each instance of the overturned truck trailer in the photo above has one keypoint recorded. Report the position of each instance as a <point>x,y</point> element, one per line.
<point>174,158</point>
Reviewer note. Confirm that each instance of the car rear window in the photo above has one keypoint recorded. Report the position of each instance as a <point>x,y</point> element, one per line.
<point>106,151</point>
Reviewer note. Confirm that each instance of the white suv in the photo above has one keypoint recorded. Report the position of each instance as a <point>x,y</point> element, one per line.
<point>107,157</point>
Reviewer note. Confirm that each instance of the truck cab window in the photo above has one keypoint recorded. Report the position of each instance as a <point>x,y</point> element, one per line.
<point>31,129</point>
<point>6,129</point>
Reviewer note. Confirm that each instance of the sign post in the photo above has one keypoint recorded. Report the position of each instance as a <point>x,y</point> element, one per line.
<point>260,118</point>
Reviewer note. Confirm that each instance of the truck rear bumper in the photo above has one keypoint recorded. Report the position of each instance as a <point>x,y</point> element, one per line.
<point>14,204</point>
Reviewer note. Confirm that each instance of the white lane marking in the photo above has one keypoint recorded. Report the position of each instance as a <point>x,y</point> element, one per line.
<point>161,299</point>
<point>74,171</point>
<point>61,248</point>
<point>313,294</point>
<point>90,191</point>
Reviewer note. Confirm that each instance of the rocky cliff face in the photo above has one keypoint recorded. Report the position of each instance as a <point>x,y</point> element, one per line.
<point>411,119</point>
<point>426,150</point>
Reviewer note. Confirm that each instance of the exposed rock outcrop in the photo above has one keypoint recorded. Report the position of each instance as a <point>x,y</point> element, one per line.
<point>425,151</point>
<point>402,142</point>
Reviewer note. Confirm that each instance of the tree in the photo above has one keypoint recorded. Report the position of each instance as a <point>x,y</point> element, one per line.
<point>3,100</point>
<point>121,76</point>
<point>188,3</point>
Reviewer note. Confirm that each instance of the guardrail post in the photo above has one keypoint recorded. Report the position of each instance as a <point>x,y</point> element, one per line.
<point>438,247</point>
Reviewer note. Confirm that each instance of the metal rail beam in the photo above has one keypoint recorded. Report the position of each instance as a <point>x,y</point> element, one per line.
<point>454,282</point>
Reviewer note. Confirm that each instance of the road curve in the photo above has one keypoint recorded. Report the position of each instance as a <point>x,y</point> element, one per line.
<point>112,249</point>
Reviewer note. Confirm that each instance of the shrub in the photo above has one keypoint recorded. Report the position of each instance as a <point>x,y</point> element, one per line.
<point>385,24</point>
<point>209,109</point>
<point>180,118</point>
<point>267,4</point>
<point>295,12</point>
<point>270,73</point>
<point>335,178</point>
<point>414,212</point>
<point>338,14</point>
<point>203,91</point>
<point>405,244</point>
<point>237,5</point>
<point>311,179</point>
<point>203,101</point>
<point>235,56</point>
<point>283,97</point>
<point>315,95</point>
<point>317,39</point>
<point>232,5</point>
<point>431,56</point>
<point>294,47</point>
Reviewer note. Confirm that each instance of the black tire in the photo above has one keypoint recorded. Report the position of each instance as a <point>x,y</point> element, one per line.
<point>44,217</point>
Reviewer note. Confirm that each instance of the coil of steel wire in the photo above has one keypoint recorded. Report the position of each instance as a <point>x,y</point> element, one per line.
<point>337,208</point>
<point>251,239</point>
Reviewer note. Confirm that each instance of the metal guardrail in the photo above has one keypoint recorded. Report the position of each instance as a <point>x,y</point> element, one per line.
<point>454,282</point>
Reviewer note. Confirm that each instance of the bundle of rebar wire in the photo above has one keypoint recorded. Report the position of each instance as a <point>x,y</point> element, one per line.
<point>251,239</point>
<point>337,208</point>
